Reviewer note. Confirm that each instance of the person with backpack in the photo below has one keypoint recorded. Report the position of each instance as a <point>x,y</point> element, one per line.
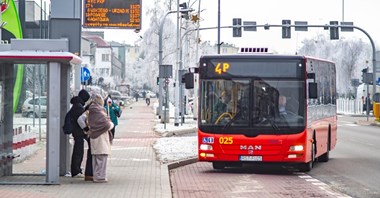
<point>78,107</point>
<point>113,112</point>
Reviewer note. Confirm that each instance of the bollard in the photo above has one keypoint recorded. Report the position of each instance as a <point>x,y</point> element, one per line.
<point>376,110</point>
<point>165,118</point>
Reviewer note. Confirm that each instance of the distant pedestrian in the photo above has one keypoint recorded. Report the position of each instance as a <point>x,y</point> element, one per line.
<point>136,96</point>
<point>147,98</point>
<point>113,111</point>
<point>100,137</point>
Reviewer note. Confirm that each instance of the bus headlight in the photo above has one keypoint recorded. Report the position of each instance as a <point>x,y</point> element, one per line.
<point>296,148</point>
<point>205,147</point>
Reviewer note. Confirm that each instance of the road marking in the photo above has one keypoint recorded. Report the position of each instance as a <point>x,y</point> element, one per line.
<point>322,186</point>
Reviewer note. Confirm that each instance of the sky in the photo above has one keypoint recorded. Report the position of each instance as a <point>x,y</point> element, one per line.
<point>364,14</point>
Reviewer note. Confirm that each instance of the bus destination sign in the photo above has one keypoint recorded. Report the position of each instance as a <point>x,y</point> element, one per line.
<point>125,14</point>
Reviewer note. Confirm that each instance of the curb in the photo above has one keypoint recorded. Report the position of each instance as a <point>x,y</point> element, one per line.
<point>179,132</point>
<point>180,163</point>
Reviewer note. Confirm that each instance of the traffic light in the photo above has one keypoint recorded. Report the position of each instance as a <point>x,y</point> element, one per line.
<point>184,14</point>
<point>364,75</point>
<point>334,31</point>
<point>158,81</point>
<point>89,81</point>
<point>236,31</point>
<point>189,80</point>
<point>286,32</point>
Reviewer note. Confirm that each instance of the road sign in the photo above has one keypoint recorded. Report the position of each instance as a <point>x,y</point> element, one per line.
<point>84,74</point>
<point>253,28</point>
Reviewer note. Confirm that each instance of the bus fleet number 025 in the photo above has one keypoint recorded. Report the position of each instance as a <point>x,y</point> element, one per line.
<point>226,140</point>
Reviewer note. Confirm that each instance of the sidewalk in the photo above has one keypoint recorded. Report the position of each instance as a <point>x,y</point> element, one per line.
<point>133,168</point>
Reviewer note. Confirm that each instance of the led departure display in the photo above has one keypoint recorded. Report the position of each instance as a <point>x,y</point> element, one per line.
<point>123,14</point>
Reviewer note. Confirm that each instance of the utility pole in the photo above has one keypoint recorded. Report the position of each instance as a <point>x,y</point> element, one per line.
<point>195,96</point>
<point>177,87</point>
<point>218,26</point>
<point>342,10</point>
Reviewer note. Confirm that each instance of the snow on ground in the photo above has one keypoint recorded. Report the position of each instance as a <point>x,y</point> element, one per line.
<point>170,149</point>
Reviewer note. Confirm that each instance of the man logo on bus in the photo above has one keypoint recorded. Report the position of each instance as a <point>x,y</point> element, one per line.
<point>250,147</point>
<point>222,68</point>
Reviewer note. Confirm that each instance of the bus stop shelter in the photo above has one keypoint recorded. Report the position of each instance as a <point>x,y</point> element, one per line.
<point>54,54</point>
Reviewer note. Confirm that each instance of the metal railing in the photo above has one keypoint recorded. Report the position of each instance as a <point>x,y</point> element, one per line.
<point>349,106</point>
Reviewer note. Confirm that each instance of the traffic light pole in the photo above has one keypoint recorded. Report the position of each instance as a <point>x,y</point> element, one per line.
<point>266,26</point>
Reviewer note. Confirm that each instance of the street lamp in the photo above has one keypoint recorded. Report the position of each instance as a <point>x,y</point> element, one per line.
<point>160,61</point>
<point>160,86</point>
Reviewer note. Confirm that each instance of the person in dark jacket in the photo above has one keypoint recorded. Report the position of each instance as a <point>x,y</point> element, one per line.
<point>77,109</point>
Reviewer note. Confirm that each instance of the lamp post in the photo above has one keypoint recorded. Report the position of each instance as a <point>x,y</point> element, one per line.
<point>160,86</point>
<point>160,61</point>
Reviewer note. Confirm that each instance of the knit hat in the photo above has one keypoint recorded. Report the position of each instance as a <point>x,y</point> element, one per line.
<point>84,95</point>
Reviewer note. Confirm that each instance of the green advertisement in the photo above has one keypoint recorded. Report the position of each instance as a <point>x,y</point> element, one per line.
<point>10,16</point>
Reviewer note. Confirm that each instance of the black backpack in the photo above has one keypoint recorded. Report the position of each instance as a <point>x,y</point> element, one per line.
<point>68,125</point>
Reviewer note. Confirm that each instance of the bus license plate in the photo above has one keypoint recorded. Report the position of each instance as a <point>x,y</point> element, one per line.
<point>251,158</point>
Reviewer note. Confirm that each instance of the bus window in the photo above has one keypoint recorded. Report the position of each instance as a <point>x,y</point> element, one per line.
<point>225,102</point>
<point>272,96</point>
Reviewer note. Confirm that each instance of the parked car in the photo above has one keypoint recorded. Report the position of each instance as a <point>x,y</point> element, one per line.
<point>31,107</point>
<point>118,98</point>
<point>95,89</point>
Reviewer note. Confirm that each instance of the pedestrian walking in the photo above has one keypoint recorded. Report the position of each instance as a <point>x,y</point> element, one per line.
<point>79,136</point>
<point>147,98</point>
<point>100,137</point>
<point>137,96</point>
<point>113,112</point>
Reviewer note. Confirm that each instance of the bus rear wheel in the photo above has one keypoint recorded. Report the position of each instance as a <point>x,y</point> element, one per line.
<point>218,165</point>
<point>326,156</point>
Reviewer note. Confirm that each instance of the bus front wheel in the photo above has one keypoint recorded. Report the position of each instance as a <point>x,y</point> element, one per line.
<point>218,165</point>
<point>306,167</point>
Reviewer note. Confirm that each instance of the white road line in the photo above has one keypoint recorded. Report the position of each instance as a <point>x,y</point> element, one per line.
<point>322,186</point>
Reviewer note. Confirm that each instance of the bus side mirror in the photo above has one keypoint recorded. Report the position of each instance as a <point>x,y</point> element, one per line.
<point>189,80</point>
<point>313,91</point>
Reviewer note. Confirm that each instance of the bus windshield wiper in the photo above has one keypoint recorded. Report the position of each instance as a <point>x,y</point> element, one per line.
<point>273,124</point>
<point>228,124</point>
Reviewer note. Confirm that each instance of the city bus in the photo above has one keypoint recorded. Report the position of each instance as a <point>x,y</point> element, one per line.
<point>243,118</point>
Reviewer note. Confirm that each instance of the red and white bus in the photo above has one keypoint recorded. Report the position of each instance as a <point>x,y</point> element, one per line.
<point>243,118</point>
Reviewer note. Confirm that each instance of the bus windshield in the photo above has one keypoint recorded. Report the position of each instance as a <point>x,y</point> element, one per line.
<point>252,106</point>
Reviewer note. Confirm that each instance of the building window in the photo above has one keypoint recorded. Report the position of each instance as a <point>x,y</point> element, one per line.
<point>105,57</point>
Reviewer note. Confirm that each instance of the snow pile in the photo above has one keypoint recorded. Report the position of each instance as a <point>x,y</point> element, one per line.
<point>170,149</point>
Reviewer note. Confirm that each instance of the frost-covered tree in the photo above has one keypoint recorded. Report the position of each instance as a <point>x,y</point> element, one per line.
<point>350,57</point>
<point>146,69</point>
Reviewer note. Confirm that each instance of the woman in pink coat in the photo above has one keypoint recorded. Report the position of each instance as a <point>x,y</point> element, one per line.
<point>100,137</point>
